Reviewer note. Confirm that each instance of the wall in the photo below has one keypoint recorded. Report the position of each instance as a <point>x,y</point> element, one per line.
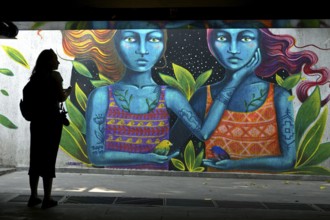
<point>18,57</point>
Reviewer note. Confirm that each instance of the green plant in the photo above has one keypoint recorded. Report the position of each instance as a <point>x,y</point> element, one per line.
<point>289,82</point>
<point>310,124</point>
<point>17,57</point>
<point>73,136</point>
<point>262,93</point>
<point>192,163</point>
<point>185,81</point>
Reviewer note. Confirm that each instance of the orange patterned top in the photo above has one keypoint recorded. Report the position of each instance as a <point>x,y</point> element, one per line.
<point>246,134</point>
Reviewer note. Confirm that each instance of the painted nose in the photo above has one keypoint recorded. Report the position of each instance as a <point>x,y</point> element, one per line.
<point>142,50</point>
<point>233,48</point>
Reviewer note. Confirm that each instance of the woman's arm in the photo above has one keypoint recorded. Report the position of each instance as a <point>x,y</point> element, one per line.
<point>285,161</point>
<point>62,94</point>
<point>179,133</point>
<point>95,124</point>
<point>202,127</point>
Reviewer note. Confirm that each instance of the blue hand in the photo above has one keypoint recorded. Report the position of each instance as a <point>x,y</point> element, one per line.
<point>222,164</point>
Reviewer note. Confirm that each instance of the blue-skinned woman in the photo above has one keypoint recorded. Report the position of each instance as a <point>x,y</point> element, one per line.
<point>128,119</point>
<point>256,130</point>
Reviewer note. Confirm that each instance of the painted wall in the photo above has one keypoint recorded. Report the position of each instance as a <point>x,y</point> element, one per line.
<point>187,56</point>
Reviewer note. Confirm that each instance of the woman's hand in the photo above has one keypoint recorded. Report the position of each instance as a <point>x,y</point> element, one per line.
<point>222,164</point>
<point>248,68</point>
<point>68,90</point>
<point>156,158</point>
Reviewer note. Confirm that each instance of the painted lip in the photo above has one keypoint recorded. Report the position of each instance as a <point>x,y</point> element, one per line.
<point>142,61</point>
<point>234,60</point>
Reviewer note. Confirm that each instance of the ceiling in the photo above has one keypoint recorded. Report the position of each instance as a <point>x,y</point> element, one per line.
<point>160,3</point>
<point>69,10</point>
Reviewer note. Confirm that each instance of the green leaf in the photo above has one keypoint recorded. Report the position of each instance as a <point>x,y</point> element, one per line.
<point>306,114</point>
<point>125,107</point>
<point>69,25</point>
<point>75,116</point>
<point>76,25</point>
<point>291,98</point>
<point>311,23</point>
<point>104,81</point>
<point>6,72</point>
<point>104,78</point>
<point>37,25</point>
<point>6,122</point>
<point>4,92</point>
<point>82,25</point>
<point>178,164</point>
<point>172,82</point>
<point>311,140</point>
<point>185,79</point>
<point>199,159</point>
<point>321,155</point>
<point>202,78</point>
<point>116,93</point>
<point>74,144</point>
<point>311,170</point>
<point>198,169</point>
<point>291,81</point>
<point>279,80</point>
<point>16,56</point>
<point>81,69</point>
<point>81,97</point>
<point>189,156</point>
<point>99,83</point>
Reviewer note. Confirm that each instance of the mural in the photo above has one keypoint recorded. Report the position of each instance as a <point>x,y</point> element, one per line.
<point>235,96</point>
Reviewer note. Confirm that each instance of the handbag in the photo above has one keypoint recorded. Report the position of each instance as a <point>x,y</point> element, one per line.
<point>63,112</point>
<point>27,105</point>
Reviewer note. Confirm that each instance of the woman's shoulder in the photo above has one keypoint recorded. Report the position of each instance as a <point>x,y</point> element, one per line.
<point>57,76</point>
<point>99,92</point>
<point>169,90</point>
<point>280,91</point>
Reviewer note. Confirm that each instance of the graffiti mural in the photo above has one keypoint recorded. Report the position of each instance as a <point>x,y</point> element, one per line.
<point>232,96</point>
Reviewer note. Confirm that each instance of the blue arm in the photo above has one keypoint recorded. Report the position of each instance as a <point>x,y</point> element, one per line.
<point>191,116</point>
<point>95,124</point>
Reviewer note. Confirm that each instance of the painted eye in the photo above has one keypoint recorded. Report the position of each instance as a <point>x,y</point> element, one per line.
<point>130,39</point>
<point>221,38</point>
<point>246,39</point>
<point>154,40</point>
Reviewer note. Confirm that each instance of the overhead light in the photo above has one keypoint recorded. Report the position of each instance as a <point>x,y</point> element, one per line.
<point>8,30</point>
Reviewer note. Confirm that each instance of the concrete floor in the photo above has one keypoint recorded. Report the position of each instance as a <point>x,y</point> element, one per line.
<point>121,196</point>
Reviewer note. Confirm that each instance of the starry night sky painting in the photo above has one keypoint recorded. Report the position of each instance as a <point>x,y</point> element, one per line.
<point>188,48</point>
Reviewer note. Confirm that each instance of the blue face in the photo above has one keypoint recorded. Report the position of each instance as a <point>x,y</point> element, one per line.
<point>234,48</point>
<point>139,49</point>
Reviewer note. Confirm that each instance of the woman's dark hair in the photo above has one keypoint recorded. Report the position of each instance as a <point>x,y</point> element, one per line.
<point>44,63</point>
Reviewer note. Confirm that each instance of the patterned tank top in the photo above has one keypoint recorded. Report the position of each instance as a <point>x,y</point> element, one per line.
<point>137,133</point>
<point>246,134</point>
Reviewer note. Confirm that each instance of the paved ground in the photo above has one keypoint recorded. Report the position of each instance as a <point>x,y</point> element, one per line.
<point>94,196</point>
